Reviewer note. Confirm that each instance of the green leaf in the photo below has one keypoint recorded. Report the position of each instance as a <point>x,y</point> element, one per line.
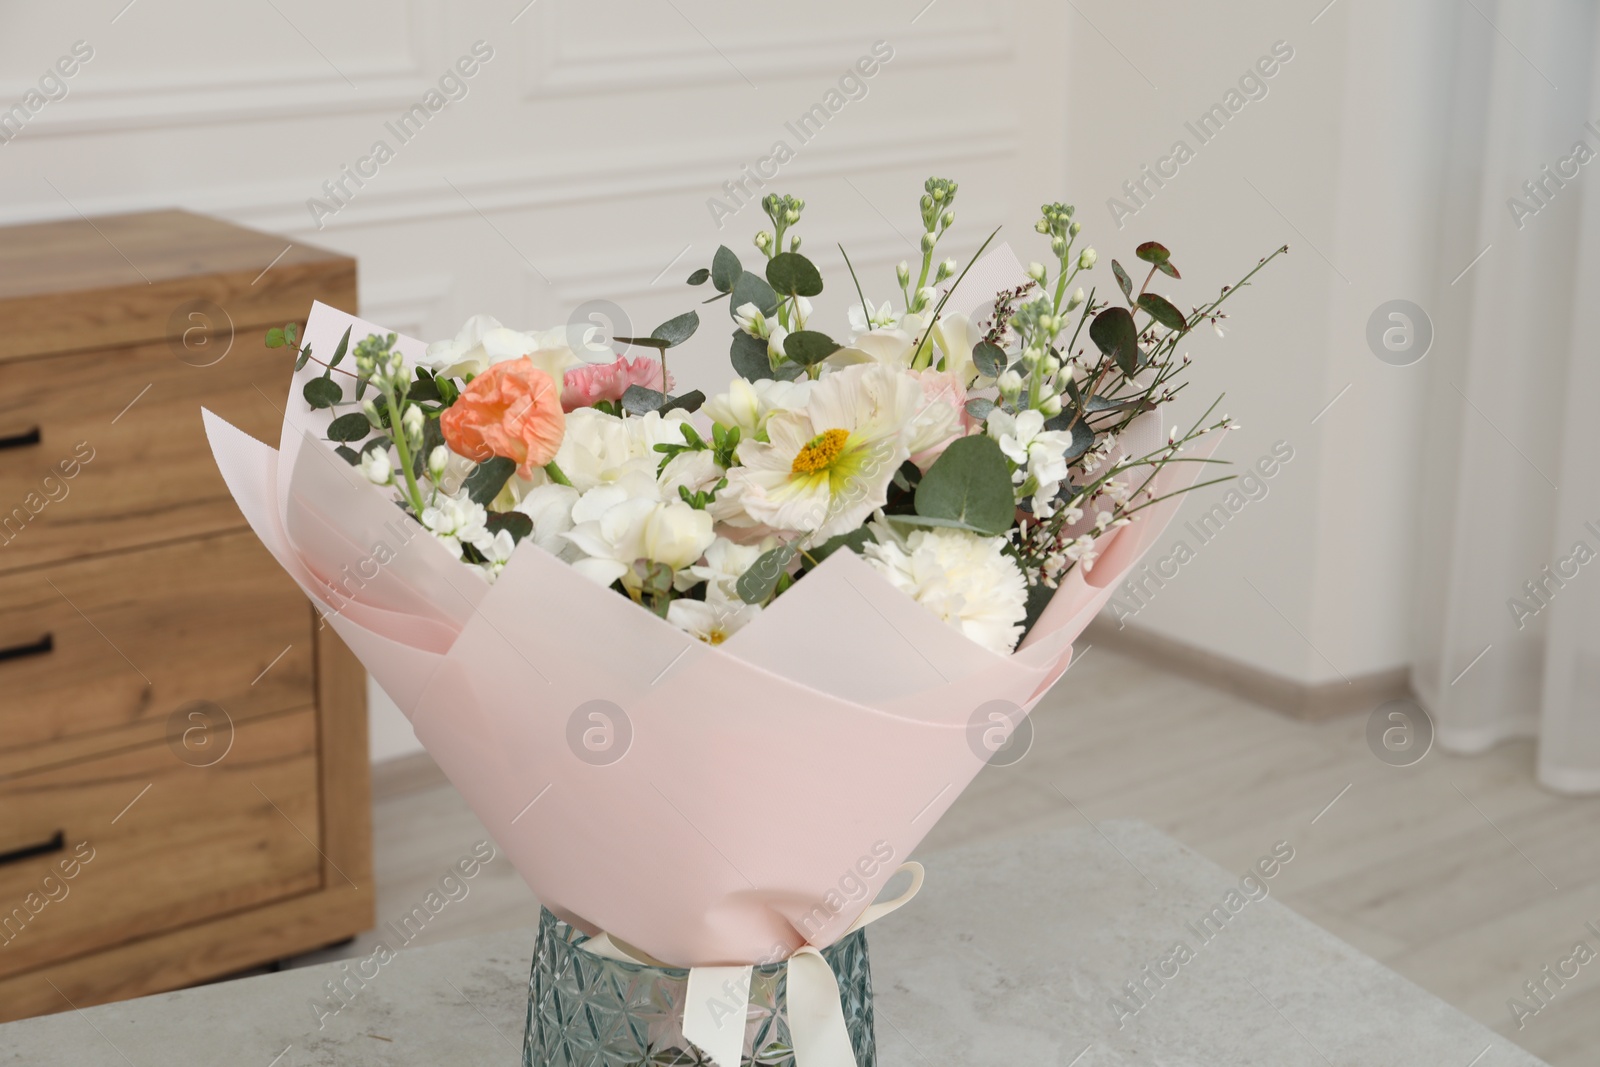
<point>657,343</point>
<point>639,400</point>
<point>1153,252</point>
<point>322,392</point>
<point>980,406</point>
<point>488,478</point>
<point>689,401</point>
<point>854,541</point>
<point>1166,267</point>
<point>753,289</point>
<point>275,338</point>
<point>348,454</point>
<point>943,524</point>
<point>809,347</point>
<point>338,353</point>
<point>725,269</point>
<point>990,358</point>
<point>423,390</point>
<point>1163,311</point>
<point>1082,436</point>
<point>675,331</point>
<point>756,584</point>
<point>514,522</point>
<point>376,442</point>
<point>303,358</point>
<point>1125,282</point>
<point>969,483</point>
<point>750,359</point>
<point>1115,334</point>
<point>291,332</point>
<point>699,277</point>
<point>793,274</point>
<point>351,427</point>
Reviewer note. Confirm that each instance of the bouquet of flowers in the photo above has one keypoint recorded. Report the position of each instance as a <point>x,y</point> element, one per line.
<point>852,571</point>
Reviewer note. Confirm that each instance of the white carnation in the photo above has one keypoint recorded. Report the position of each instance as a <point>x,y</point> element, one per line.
<point>458,520</point>
<point>965,579</point>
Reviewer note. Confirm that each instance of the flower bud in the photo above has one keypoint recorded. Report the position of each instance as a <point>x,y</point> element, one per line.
<point>794,242</point>
<point>1058,246</point>
<point>1087,258</point>
<point>411,422</point>
<point>1075,299</point>
<point>903,272</point>
<point>1050,406</point>
<point>369,408</point>
<point>1036,271</point>
<point>763,240</point>
<point>375,466</point>
<point>1042,226</point>
<point>927,202</point>
<point>437,460</point>
<point>1009,383</point>
<point>928,241</point>
<point>947,220</point>
<point>1075,229</point>
<point>792,216</point>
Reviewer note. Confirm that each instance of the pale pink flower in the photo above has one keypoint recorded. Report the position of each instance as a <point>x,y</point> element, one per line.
<point>583,387</point>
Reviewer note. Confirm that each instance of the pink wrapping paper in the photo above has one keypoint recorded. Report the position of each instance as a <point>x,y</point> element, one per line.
<point>754,796</point>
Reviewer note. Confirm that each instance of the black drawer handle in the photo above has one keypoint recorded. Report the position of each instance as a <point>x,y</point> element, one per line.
<point>45,644</point>
<point>43,848</point>
<point>21,440</point>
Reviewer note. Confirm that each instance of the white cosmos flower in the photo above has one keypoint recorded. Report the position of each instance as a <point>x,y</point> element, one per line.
<point>747,404</point>
<point>712,623</point>
<point>963,578</point>
<point>825,468</point>
<point>483,342</point>
<point>457,520</point>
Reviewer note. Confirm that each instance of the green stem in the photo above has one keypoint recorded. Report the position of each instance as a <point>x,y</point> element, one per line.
<point>404,449</point>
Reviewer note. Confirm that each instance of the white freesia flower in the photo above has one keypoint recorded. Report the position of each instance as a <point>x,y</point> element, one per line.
<point>887,347</point>
<point>550,507</point>
<point>747,404</point>
<point>457,520</point>
<point>376,467</point>
<point>597,449</point>
<point>483,342</point>
<point>776,335</point>
<point>712,623</point>
<point>725,562</point>
<point>824,468</point>
<point>965,579</point>
<point>955,335</point>
<point>616,526</point>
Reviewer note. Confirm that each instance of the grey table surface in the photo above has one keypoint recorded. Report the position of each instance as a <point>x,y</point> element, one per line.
<point>1013,954</point>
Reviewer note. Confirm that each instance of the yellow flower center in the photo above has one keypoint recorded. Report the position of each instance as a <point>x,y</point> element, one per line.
<point>820,452</point>
<point>716,637</point>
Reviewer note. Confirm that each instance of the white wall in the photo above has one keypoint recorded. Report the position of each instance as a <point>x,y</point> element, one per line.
<point>577,167</point>
<point>1341,160</point>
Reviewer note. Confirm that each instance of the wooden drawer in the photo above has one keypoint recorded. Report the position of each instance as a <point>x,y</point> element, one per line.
<point>134,637</point>
<point>167,844</point>
<point>105,450</point>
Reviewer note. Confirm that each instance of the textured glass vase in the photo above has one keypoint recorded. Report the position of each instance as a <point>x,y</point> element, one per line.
<point>586,1010</point>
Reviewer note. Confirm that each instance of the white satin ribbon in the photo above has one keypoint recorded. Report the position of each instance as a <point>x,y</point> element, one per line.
<point>717,1001</point>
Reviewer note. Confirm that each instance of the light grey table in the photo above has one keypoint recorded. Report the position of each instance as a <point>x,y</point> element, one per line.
<point>1012,955</point>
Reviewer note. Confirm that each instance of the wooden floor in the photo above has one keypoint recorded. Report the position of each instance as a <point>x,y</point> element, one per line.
<point>1447,871</point>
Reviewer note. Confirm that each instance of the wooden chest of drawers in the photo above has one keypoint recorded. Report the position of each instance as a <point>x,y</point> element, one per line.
<point>183,748</point>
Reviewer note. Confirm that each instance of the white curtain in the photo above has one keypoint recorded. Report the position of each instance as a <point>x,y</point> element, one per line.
<point>1508,589</point>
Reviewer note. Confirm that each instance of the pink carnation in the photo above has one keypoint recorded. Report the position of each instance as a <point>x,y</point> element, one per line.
<point>584,386</point>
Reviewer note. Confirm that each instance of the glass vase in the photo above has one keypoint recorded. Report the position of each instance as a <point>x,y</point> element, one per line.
<point>586,1010</point>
